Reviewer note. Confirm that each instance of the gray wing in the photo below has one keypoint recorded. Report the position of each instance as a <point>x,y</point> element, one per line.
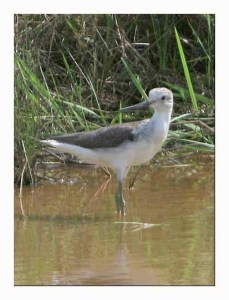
<point>106,137</point>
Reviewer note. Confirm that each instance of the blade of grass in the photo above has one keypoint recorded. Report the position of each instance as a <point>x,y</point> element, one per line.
<point>199,41</point>
<point>136,81</point>
<point>185,92</point>
<point>201,145</point>
<point>181,117</point>
<point>79,107</point>
<point>186,71</point>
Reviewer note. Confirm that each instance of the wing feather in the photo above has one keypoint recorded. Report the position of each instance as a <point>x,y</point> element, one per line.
<point>106,137</point>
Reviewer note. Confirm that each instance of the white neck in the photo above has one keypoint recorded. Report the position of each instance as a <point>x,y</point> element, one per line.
<point>159,125</point>
<point>162,116</point>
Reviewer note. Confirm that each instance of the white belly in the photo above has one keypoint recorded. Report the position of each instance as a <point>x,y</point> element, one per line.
<point>127,154</point>
<point>130,153</point>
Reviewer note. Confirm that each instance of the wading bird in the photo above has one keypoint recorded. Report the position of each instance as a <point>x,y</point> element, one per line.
<point>121,146</point>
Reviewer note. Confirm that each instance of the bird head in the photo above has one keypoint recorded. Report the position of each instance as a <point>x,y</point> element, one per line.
<point>160,99</point>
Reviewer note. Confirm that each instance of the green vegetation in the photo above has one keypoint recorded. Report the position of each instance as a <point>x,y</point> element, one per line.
<point>71,69</point>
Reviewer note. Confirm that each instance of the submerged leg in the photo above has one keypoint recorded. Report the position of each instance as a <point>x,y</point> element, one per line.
<point>120,202</point>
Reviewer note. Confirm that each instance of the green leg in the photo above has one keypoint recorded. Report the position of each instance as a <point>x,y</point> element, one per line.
<point>120,202</point>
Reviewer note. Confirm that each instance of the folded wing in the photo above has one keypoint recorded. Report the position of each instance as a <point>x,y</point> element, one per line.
<point>106,137</point>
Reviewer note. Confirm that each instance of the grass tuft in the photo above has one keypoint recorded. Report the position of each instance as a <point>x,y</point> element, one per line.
<point>71,70</point>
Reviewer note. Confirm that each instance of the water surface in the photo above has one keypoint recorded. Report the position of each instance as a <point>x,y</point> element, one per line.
<point>71,235</point>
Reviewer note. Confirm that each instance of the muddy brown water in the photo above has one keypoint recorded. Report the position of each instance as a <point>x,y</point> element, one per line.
<point>71,235</point>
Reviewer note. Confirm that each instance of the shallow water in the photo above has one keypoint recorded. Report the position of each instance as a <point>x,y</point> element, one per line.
<point>71,235</point>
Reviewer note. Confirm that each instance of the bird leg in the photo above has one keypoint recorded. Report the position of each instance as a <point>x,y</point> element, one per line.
<point>120,202</point>
<point>132,182</point>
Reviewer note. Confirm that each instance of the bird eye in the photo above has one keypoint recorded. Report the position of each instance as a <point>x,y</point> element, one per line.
<point>163,98</point>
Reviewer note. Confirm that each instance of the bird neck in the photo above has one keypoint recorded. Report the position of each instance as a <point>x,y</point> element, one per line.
<point>162,117</point>
<point>158,127</point>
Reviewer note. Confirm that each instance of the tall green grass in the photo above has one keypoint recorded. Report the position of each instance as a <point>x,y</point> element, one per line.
<point>71,70</point>
<point>186,71</point>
